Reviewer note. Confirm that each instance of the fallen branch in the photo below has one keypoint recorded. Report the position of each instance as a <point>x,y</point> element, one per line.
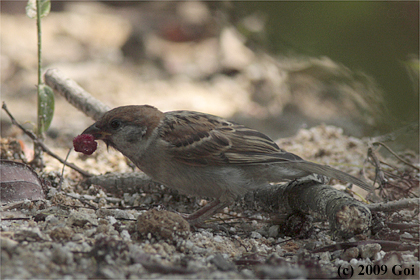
<point>392,206</point>
<point>385,245</point>
<point>395,155</point>
<point>346,215</point>
<point>74,94</point>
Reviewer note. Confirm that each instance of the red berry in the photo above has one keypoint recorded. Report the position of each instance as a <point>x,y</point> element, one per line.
<point>85,144</point>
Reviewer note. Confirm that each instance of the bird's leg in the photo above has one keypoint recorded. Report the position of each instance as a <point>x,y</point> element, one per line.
<point>206,212</point>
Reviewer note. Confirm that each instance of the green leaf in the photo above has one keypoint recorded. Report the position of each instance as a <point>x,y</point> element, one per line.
<point>45,107</point>
<point>44,8</point>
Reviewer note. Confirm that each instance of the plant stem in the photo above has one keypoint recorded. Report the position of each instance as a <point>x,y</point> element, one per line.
<point>37,160</point>
<point>38,24</point>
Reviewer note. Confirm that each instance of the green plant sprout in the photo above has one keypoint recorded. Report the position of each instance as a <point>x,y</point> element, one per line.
<point>37,9</point>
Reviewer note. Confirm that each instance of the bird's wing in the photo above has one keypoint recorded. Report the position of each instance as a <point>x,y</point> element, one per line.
<point>202,139</point>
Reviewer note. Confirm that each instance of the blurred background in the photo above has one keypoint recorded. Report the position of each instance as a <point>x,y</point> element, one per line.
<point>275,66</point>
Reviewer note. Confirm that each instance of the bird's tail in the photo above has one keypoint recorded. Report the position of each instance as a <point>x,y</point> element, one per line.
<point>330,172</point>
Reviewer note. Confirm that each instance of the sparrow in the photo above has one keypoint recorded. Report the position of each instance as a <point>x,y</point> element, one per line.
<point>203,155</point>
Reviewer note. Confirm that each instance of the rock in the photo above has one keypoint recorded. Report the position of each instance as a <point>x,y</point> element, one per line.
<point>162,224</point>
<point>369,250</point>
<point>325,256</point>
<point>7,244</point>
<point>82,218</point>
<point>273,231</point>
<point>350,253</point>
<point>61,233</point>
<point>61,255</point>
<point>221,263</point>
<point>30,234</point>
<point>256,235</point>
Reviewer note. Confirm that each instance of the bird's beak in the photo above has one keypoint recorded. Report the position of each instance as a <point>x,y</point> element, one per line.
<point>97,133</point>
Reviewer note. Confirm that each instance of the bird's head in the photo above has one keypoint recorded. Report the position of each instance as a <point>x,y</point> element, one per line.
<point>126,128</point>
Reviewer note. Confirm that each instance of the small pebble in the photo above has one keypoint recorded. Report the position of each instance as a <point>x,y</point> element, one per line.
<point>350,253</point>
<point>407,235</point>
<point>353,262</point>
<point>273,231</point>
<point>325,256</point>
<point>218,238</point>
<point>125,235</point>
<point>369,250</point>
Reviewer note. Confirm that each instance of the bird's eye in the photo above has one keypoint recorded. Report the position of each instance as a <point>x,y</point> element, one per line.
<point>115,124</point>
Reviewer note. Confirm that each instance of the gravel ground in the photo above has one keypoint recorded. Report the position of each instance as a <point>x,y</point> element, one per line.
<point>82,232</point>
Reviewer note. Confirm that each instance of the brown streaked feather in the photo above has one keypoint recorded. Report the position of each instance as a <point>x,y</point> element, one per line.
<point>216,141</point>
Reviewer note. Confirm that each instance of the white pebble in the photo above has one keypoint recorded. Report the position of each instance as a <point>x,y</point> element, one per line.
<point>125,235</point>
<point>406,235</point>
<point>111,220</point>
<point>354,261</point>
<point>218,238</point>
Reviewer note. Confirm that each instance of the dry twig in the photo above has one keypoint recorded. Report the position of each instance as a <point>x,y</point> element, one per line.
<point>392,206</point>
<point>41,144</point>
